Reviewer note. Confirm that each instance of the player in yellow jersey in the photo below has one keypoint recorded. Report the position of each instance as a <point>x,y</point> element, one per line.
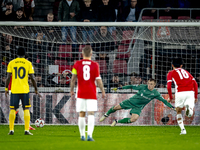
<point>20,69</point>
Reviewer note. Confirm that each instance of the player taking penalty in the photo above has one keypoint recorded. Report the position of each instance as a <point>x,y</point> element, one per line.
<point>87,73</point>
<point>186,91</point>
<point>20,110</point>
<point>20,69</point>
<point>145,94</point>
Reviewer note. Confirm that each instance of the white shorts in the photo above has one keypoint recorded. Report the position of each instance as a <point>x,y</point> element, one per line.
<point>86,105</point>
<point>184,98</point>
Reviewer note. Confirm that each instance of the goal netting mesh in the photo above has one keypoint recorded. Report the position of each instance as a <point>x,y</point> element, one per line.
<point>128,53</point>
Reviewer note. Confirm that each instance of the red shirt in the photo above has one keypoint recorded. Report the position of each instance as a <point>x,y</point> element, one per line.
<point>87,72</point>
<point>183,81</point>
<point>9,86</point>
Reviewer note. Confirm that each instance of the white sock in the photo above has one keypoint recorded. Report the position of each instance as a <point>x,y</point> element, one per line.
<point>180,122</point>
<point>21,113</point>
<point>81,125</point>
<point>90,125</point>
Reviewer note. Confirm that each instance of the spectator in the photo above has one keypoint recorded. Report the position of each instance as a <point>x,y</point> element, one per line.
<point>183,4</point>
<point>28,7</point>
<point>50,30</point>
<point>3,81</point>
<point>8,48</point>
<point>87,14</point>
<point>131,12</point>
<point>9,14</point>
<point>149,4</point>
<point>106,13</point>
<point>55,9</point>
<point>40,57</point>
<point>135,79</point>
<point>115,82</point>
<point>68,10</point>
<point>167,4</point>
<point>19,17</point>
<point>103,43</point>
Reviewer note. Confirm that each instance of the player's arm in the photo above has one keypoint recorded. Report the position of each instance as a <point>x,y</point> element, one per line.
<point>169,85</point>
<point>7,83</point>
<point>32,77</point>
<point>160,98</point>
<point>100,85</point>
<point>195,89</point>
<point>72,84</point>
<point>134,87</point>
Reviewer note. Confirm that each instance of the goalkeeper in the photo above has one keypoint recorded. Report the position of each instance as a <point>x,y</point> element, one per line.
<point>145,94</point>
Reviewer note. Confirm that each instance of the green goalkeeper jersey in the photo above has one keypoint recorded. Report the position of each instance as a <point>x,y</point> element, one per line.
<point>144,95</point>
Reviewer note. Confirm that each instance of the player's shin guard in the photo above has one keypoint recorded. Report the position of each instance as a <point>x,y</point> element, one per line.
<point>111,110</point>
<point>11,119</point>
<point>180,121</point>
<point>81,125</point>
<point>26,119</point>
<point>125,120</point>
<point>90,125</point>
<point>21,113</point>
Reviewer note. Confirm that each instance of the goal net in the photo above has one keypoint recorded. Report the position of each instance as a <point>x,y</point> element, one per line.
<point>127,53</point>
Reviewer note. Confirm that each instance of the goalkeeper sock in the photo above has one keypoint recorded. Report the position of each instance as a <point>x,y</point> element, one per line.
<point>90,125</point>
<point>111,110</point>
<point>81,125</point>
<point>26,119</point>
<point>180,122</point>
<point>21,113</point>
<point>125,120</point>
<point>11,119</point>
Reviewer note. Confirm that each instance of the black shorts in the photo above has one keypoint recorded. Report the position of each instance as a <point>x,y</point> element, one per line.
<point>15,98</point>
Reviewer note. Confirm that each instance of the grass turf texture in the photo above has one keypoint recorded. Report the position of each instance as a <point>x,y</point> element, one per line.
<point>106,138</point>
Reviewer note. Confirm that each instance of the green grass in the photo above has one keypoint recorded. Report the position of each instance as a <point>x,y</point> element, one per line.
<point>106,138</point>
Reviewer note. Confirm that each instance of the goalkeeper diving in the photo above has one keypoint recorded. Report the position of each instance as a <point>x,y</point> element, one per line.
<point>136,103</point>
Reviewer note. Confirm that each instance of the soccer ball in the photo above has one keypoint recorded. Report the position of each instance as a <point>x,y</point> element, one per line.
<point>39,123</point>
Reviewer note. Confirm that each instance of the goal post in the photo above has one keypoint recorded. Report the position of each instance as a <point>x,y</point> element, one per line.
<point>127,53</point>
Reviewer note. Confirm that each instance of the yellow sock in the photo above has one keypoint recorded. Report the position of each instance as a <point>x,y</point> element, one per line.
<point>12,119</point>
<point>26,119</point>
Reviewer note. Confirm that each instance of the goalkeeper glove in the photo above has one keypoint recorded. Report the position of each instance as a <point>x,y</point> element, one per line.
<point>173,108</point>
<point>115,89</point>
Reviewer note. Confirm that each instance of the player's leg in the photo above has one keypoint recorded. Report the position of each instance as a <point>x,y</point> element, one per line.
<point>189,103</point>
<point>135,114</point>
<point>81,108</point>
<point>111,110</point>
<point>90,127</point>
<point>26,105</point>
<point>14,104</point>
<point>179,103</point>
<point>21,114</point>
<point>91,108</point>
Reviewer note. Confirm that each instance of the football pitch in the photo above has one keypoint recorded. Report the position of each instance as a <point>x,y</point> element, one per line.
<point>106,138</point>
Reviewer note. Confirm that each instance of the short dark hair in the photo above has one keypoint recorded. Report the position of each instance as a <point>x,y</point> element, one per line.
<point>21,51</point>
<point>151,79</point>
<point>9,3</point>
<point>177,62</point>
<point>87,50</point>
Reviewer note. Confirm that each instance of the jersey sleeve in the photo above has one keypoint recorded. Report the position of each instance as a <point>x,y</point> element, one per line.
<point>97,74</point>
<point>31,69</point>
<point>9,68</point>
<point>160,98</point>
<point>169,84</point>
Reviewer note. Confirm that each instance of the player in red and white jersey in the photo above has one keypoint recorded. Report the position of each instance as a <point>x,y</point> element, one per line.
<point>87,73</point>
<point>186,90</point>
